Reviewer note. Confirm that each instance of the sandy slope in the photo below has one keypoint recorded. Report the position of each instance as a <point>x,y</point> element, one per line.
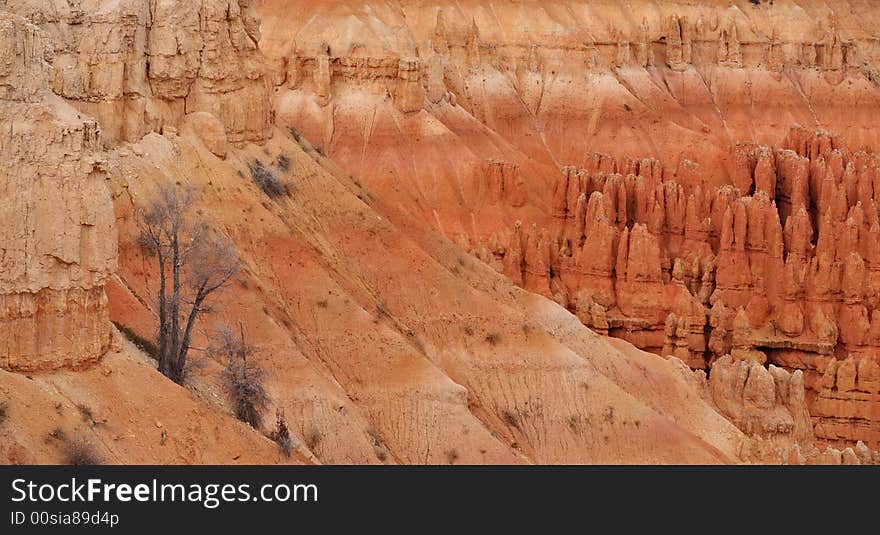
<point>393,345</point>
<point>128,413</point>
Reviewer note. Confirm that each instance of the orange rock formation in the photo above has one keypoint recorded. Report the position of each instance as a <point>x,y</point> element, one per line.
<point>641,171</point>
<point>636,175</point>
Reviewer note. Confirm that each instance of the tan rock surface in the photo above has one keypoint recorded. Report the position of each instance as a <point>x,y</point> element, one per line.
<point>58,237</point>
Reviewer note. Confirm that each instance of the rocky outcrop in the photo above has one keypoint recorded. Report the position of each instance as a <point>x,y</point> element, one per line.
<point>58,237</point>
<point>848,400</point>
<point>765,402</point>
<point>138,65</point>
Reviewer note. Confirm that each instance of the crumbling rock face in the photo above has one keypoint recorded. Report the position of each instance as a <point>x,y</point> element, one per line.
<point>138,65</point>
<point>848,400</point>
<point>58,238</point>
<point>767,402</point>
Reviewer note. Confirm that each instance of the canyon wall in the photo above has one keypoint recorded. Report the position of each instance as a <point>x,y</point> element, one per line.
<point>58,237</point>
<point>695,178</point>
<point>638,175</point>
<point>382,342</point>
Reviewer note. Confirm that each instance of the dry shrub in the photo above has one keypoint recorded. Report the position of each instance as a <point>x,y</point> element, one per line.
<point>77,451</point>
<point>243,381</point>
<point>266,180</point>
<point>281,434</point>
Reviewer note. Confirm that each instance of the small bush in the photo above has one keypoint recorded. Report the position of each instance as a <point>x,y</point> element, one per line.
<point>375,437</point>
<point>296,135</point>
<point>80,452</point>
<point>283,162</point>
<point>266,180</point>
<point>242,380</point>
<point>86,412</point>
<point>4,411</point>
<point>139,341</point>
<point>281,434</point>
<point>510,419</point>
<point>493,339</point>
<point>243,383</point>
<point>75,451</point>
<point>609,414</point>
<point>452,456</point>
<point>378,446</point>
<point>313,439</point>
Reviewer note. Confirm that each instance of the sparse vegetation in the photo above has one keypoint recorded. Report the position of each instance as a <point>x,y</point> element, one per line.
<point>283,162</point>
<point>266,180</point>
<point>80,452</point>
<point>609,414</point>
<point>375,438</point>
<point>493,339</point>
<point>313,439</point>
<point>86,412</point>
<point>193,264</point>
<point>322,303</point>
<point>378,445</point>
<point>468,330</point>
<point>510,418</point>
<point>296,135</point>
<point>242,380</point>
<point>75,451</point>
<point>4,412</point>
<point>139,341</point>
<point>452,456</point>
<point>281,434</point>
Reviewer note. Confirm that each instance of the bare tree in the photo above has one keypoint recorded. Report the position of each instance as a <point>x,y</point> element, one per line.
<point>242,380</point>
<point>193,264</point>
